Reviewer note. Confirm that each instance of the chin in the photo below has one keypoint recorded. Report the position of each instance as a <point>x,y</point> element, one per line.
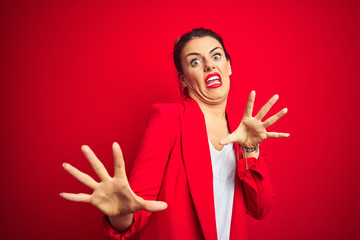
<point>218,98</point>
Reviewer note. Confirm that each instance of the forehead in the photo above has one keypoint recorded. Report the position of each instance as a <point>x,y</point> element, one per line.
<point>202,45</point>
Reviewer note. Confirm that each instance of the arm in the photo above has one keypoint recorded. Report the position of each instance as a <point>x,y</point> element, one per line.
<point>252,168</point>
<point>259,193</point>
<point>149,167</point>
<point>126,209</point>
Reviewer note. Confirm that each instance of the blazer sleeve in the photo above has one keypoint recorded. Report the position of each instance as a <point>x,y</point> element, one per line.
<point>259,193</point>
<point>149,167</point>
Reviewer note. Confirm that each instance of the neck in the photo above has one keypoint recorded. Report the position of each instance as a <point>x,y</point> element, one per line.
<point>213,111</point>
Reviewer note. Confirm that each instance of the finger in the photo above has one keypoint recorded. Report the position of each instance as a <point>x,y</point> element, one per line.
<point>153,206</point>
<point>265,109</point>
<point>79,197</point>
<point>277,135</point>
<point>95,163</point>
<point>250,104</point>
<point>82,177</point>
<point>229,139</point>
<point>119,164</point>
<point>271,120</point>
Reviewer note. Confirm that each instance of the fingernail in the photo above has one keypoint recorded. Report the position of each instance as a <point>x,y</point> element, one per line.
<point>63,164</point>
<point>60,194</point>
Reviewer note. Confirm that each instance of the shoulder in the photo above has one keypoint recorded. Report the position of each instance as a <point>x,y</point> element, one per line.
<point>164,121</point>
<point>166,110</point>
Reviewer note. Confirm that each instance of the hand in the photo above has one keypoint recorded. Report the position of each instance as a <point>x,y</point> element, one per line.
<point>252,130</point>
<point>113,195</point>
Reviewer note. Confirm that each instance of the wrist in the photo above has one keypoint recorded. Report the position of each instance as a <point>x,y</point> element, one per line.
<point>250,152</point>
<point>121,223</point>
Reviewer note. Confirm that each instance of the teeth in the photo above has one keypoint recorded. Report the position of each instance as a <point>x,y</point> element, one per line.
<point>213,78</point>
<point>215,82</point>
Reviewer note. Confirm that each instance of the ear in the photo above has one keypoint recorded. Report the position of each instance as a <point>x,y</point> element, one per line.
<point>182,79</point>
<point>229,66</point>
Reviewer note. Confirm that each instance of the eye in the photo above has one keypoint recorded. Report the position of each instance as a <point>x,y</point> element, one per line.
<point>195,62</point>
<point>217,56</point>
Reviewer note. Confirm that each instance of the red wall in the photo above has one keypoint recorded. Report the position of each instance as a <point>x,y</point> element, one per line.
<point>76,73</point>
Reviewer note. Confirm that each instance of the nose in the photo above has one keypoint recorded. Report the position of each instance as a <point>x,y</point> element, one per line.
<point>209,65</point>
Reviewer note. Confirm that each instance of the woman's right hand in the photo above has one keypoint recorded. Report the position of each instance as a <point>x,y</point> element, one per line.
<point>113,195</point>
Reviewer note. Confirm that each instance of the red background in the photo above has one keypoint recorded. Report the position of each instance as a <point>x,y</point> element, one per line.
<point>86,73</point>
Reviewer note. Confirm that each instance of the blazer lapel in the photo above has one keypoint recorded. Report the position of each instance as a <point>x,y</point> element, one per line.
<point>238,225</point>
<point>197,162</point>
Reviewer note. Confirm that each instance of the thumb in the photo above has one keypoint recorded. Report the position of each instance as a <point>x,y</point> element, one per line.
<point>229,139</point>
<point>153,206</point>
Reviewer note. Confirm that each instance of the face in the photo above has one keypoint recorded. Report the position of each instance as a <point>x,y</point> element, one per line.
<point>206,70</point>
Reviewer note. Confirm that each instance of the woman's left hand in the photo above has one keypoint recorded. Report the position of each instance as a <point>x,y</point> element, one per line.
<point>252,130</point>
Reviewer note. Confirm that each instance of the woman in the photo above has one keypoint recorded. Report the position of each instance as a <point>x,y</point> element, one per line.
<point>187,170</point>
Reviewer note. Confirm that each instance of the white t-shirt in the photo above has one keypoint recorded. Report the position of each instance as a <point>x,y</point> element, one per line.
<point>224,168</point>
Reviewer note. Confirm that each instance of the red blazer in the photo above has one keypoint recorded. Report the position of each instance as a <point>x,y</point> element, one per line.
<point>174,165</point>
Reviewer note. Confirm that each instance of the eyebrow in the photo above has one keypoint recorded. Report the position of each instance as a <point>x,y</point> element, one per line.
<point>194,53</point>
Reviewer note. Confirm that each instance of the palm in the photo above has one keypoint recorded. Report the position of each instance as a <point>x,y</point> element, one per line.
<point>113,195</point>
<point>252,130</point>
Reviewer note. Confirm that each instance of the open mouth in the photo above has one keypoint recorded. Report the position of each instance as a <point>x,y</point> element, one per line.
<point>213,80</point>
